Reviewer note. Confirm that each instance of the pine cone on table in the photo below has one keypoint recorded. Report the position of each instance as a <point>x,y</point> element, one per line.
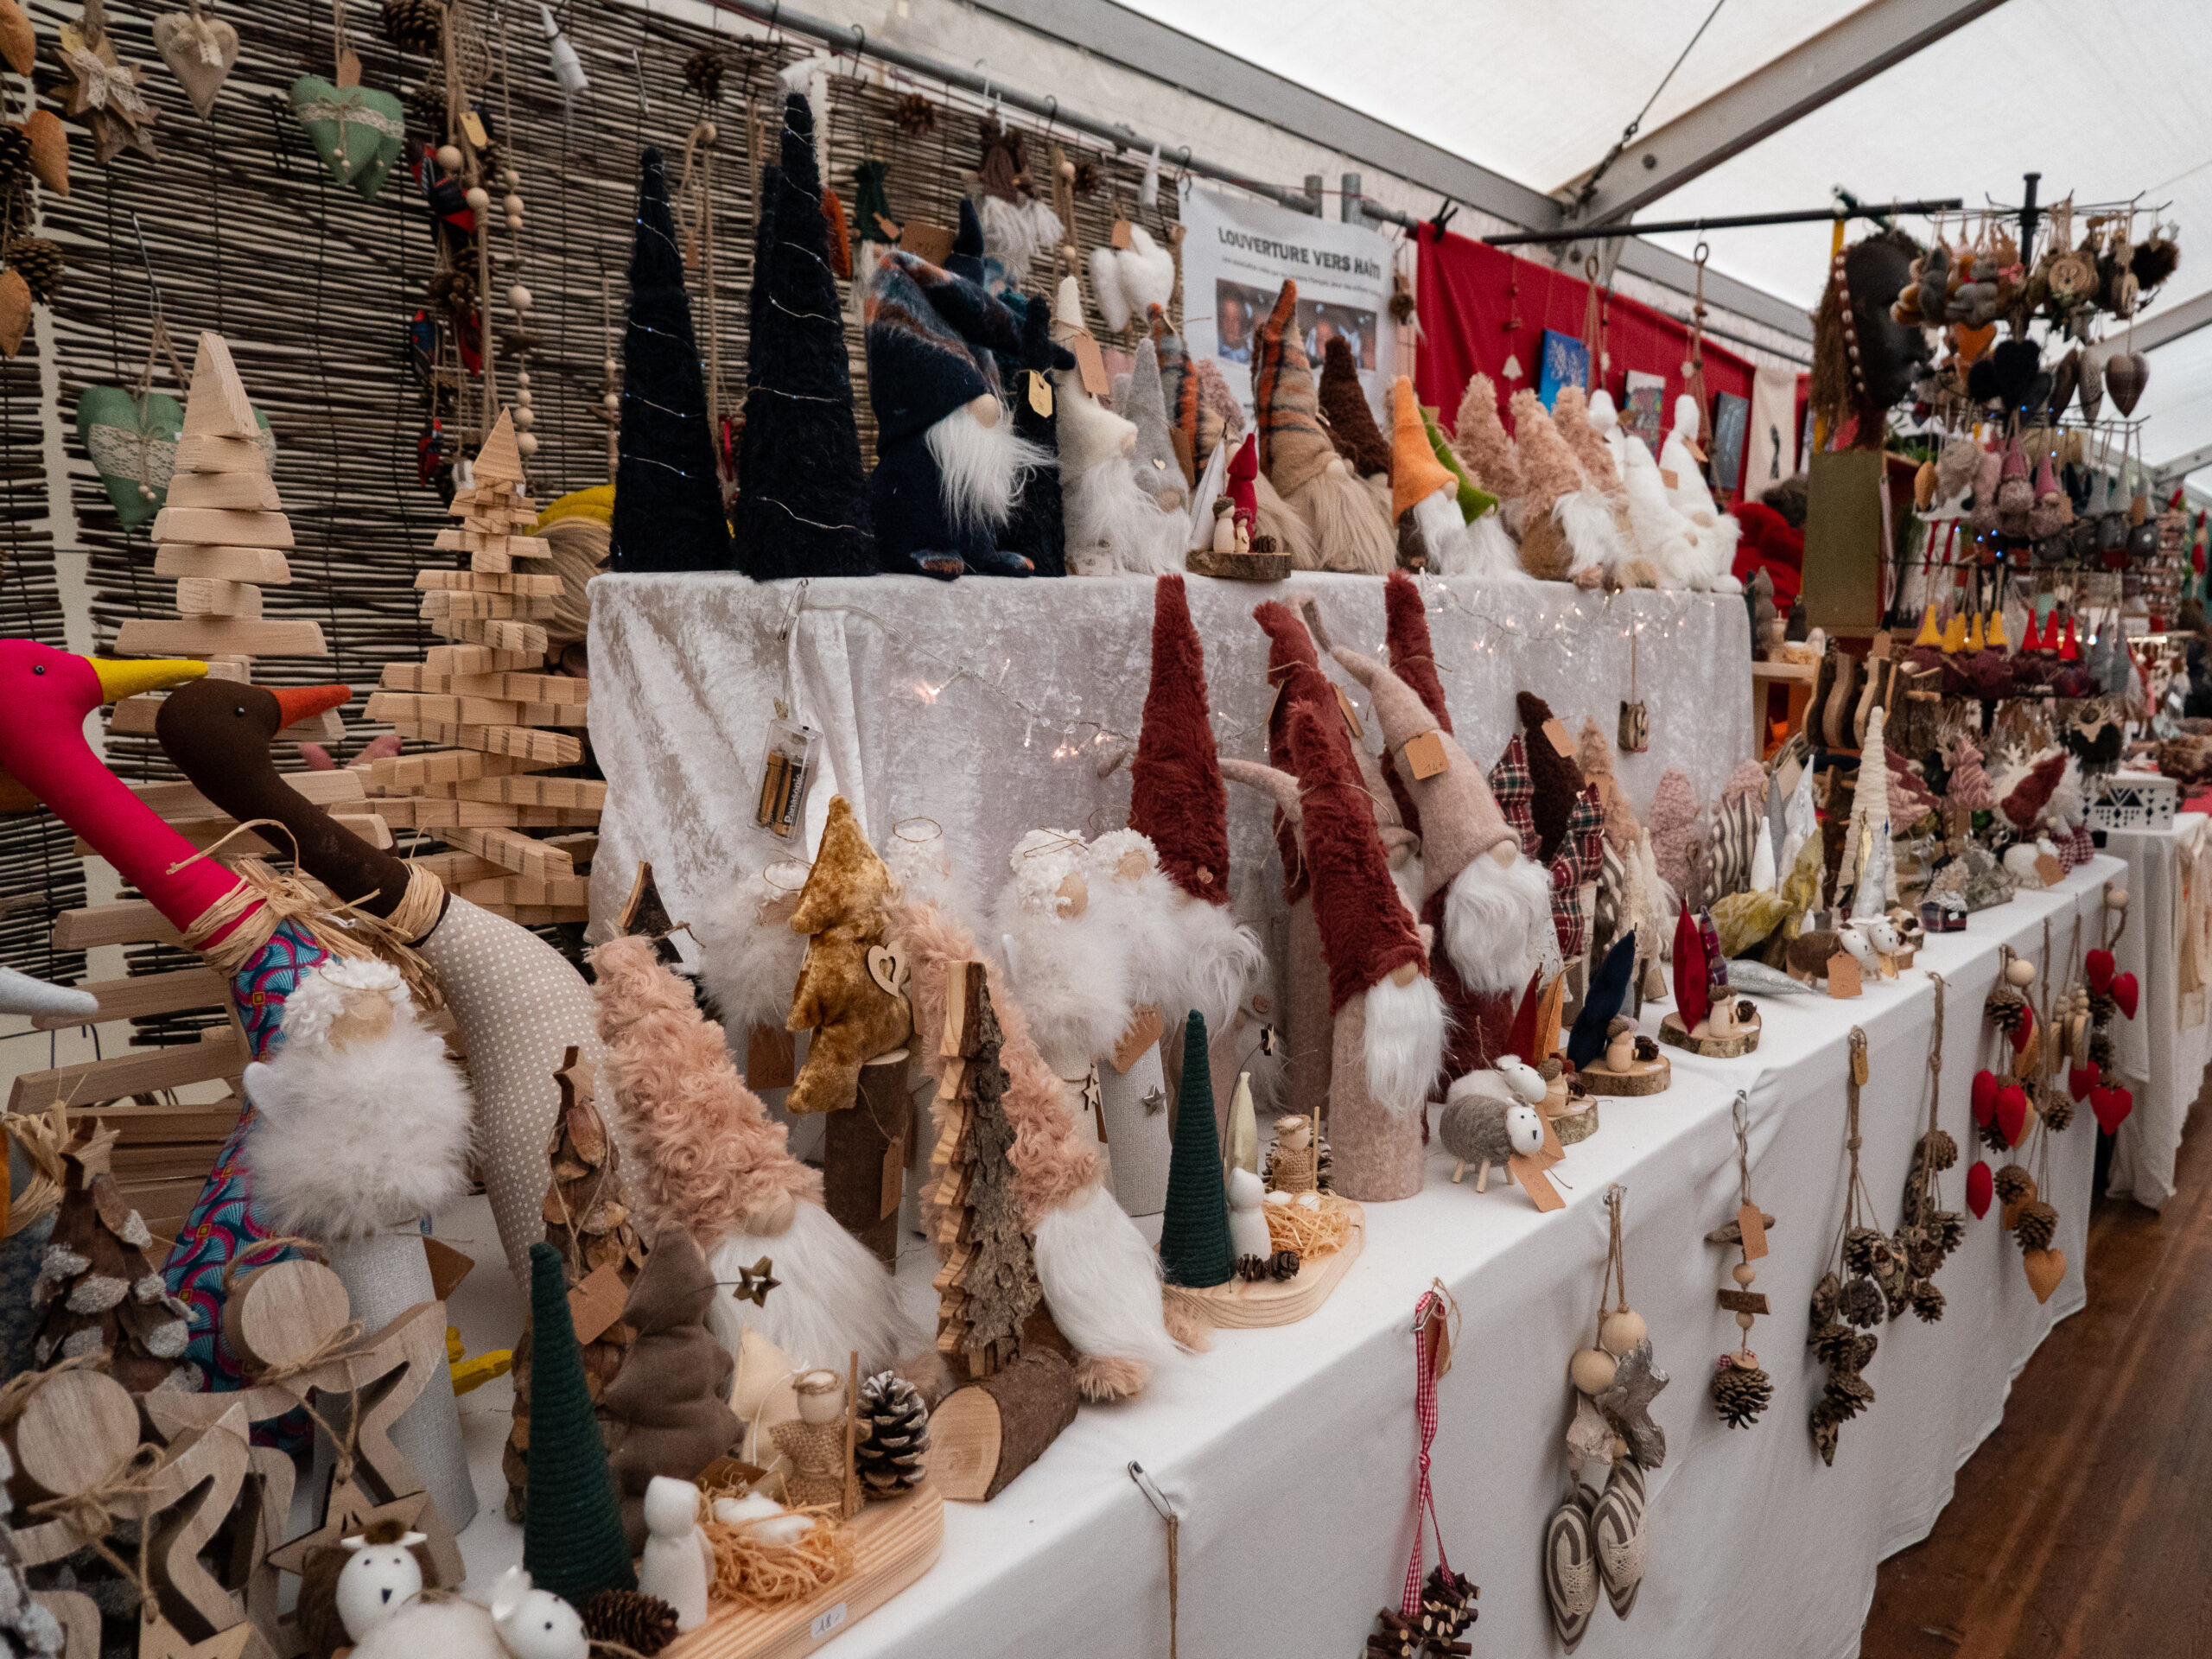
<point>889,1450</point>
<point>1740,1391</point>
<point>645,1622</point>
<point>38,261</point>
<point>2036,1225</point>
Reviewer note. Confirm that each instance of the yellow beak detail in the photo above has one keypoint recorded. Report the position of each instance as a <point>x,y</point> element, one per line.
<point>119,680</point>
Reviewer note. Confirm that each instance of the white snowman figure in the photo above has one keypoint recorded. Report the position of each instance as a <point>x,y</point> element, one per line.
<point>378,1579</point>
<point>536,1624</point>
<point>678,1561</point>
<point>1247,1220</point>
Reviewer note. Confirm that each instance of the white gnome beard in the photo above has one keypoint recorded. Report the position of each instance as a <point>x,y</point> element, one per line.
<point>1405,1032</point>
<point>1490,912</point>
<point>979,468</point>
<point>1107,508</point>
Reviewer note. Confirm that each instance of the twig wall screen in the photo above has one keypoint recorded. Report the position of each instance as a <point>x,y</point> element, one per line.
<point>315,288</point>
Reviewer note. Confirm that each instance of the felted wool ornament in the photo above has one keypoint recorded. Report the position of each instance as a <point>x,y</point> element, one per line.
<point>709,1157</point>
<point>1016,229</point>
<point>1145,408</point>
<point>853,1018</point>
<point>1112,525</point>
<point>666,1412</point>
<point>1716,532</point>
<point>572,1543</point>
<point>1349,531</point>
<point>802,494</point>
<point>1194,1243</point>
<point>1037,529</point>
<point>948,463</point>
<point>1636,565</point>
<point>1425,498</point>
<point>1668,539</point>
<point>1221,417</point>
<point>1390,1020</point>
<point>363,1118</point>
<point>1178,387</point>
<point>1129,282</point>
<point>1345,408</point>
<point>1294,669</point>
<point>1606,421</point>
<point>1070,962</point>
<point>1479,437</point>
<point>1567,531</point>
<point>668,507</point>
<point>2023,805</point>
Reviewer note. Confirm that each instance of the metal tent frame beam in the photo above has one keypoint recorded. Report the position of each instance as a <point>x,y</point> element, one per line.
<point>2170,473</point>
<point>2164,328</point>
<point>1846,55</point>
<point>1136,42</point>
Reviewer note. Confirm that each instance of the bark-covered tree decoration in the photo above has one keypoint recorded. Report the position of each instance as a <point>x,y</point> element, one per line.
<point>96,1290</point>
<point>987,1286</point>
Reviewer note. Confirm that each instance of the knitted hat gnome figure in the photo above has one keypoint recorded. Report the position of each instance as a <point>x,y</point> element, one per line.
<point>1425,502</point>
<point>667,504</point>
<point>948,461</point>
<point>1348,529</point>
<point>1037,529</point>
<point>801,499</point>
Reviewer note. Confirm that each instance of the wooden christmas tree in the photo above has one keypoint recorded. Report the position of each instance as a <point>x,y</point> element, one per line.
<point>987,1286</point>
<point>498,717</point>
<point>1194,1247</point>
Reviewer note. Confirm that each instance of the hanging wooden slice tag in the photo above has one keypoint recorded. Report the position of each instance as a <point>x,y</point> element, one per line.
<point>1843,976</point>
<point>1753,1227</point>
<point>597,1302</point>
<point>1090,365</point>
<point>1425,755</point>
<point>1351,714</point>
<point>885,967</point>
<point>1529,1172</point>
<point>1145,1027</point>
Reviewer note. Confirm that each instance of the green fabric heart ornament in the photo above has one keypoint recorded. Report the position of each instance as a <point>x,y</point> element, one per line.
<point>132,441</point>
<point>356,130</point>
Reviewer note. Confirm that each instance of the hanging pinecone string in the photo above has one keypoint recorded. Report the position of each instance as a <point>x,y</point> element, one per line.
<point>1862,1251</point>
<point>888,1450</point>
<point>917,115</point>
<point>630,1619</point>
<point>414,25</point>
<point>14,153</point>
<point>38,261</point>
<point>2014,1185</point>
<point>702,74</point>
<point>1741,1391</point>
<point>2034,1225</point>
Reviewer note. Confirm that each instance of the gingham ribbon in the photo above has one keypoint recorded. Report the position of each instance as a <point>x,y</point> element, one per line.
<point>1429,1317</point>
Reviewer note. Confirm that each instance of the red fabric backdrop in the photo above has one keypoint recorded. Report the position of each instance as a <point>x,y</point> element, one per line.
<point>1467,294</point>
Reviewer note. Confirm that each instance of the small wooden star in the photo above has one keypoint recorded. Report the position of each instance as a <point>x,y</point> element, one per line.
<point>95,1157</point>
<point>105,96</point>
<point>753,1283</point>
<point>1636,1383</point>
<point>351,1509</point>
<point>158,1639</point>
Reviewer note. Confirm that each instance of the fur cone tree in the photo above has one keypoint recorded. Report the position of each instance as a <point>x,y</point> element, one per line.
<point>1194,1247</point>
<point>572,1540</point>
<point>98,1293</point>
<point>802,501</point>
<point>587,1221</point>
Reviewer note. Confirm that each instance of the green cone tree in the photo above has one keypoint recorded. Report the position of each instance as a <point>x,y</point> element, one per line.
<point>572,1541</point>
<point>1194,1249</point>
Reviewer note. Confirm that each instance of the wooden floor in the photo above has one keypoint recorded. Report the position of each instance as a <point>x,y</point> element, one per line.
<point>2083,1526</point>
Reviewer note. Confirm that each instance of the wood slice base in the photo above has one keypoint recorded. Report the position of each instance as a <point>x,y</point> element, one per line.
<point>1674,1033</point>
<point>1239,567</point>
<point>1642,1078</point>
<point>1571,1127</point>
<point>898,1540</point>
<point>1252,1304</point>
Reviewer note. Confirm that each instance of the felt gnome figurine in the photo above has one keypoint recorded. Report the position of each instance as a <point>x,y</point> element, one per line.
<point>1568,530</point>
<point>1484,447</point>
<point>1113,524</point>
<point>1038,529</point>
<point>1176,800</point>
<point>1424,496</point>
<point>1570,416</point>
<point>1158,473</point>
<point>1681,456</point>
<point>1178,390</point>
<point>853,1017</point>
<point>802,500</point>
<point>1388,1021</point>
<point>667,506</point>
<point>948,463</point>
<point>1348,530</point>
<point>1345,407</point>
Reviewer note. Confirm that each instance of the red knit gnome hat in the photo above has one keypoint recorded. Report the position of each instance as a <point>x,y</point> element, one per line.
<point>2033,792</point>
<point>1176,795</point>
<point>1413,657</point>
<point>1294,671</point>
<point>1366,935</point>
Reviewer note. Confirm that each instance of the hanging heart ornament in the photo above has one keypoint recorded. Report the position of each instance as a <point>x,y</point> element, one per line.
<point>356,130</point>
<point>133,446</point>
<point>2125,375</point>
<point>201,52</point>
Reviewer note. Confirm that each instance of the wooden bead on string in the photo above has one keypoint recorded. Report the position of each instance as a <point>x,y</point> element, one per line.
<point>449,158</point>
<point>477,198</point>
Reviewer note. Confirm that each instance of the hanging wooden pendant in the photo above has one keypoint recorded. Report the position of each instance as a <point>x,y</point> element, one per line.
<point>104,93</point>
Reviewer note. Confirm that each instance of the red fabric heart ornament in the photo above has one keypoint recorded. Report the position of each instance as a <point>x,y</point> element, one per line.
<point>2125,992</point>
<point>2013,1113</point>
<point>2098,968</point>
<point>2112,1104</point>
<point>2024,1031</point>
<point>1985,1097</point>
<point>2080,1079</point>
<point>1981,1186</point>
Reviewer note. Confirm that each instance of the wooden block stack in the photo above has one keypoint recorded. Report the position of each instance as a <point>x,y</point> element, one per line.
<point>501,718</point>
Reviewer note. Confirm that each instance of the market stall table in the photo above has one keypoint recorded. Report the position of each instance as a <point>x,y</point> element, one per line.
<point>1289,1453</point>
<point>2163,1051</point>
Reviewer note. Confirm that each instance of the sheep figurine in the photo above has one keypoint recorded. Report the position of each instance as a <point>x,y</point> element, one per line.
<point>1485,1121</point>
<point>521,1623</point>
<point>1809,954</point>
<point>381,1575</point>
<point>1528,1084</point>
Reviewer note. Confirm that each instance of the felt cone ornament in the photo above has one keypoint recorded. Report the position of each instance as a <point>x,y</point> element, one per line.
<point>1975,641</point>
<point>1194,1248</point>
<point>1319,485</point>
<point>2029,638</point>
<point>572,1543</point>
<point>1954,634</point>
<point>1993,637</point>
<point>1389,1019</point>
<point>2071,651</point>
<point>1929,634</point>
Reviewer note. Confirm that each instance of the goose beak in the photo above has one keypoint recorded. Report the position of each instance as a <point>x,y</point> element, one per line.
<point>119,680</point>
<point>296,704</point>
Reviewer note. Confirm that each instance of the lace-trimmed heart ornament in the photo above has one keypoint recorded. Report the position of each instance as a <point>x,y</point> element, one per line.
<point>201,52</point>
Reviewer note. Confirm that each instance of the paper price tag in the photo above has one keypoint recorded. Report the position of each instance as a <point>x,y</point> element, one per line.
<point>894,1177</point>
<point>1091,364</point>
<point>472,125</point>
<point>597,1302</point>
<point>771,1060</point>
<point>1560,740</point>
<point>1753,1226</point>
<point>1537,1185</point>
<point>1040,395</point>
<point>1121,237</point>
<point>1670,478</point>
<point>1425,755</point>
<point>1351,714</point>
<point>1843,977</point>
<point>2049,869</point>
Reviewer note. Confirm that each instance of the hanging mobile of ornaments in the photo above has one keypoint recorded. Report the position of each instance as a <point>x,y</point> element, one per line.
<point>357,130</point>
<point>1850,1293</point>
<point>1432,1612</point>
<point>1927,1233</point>
<point>2108,992</point>
<point>1511,370</point>
<point>104,93</point>
<point>1740,1390</point>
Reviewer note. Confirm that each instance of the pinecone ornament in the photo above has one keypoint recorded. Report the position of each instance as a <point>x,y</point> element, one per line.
<point>645,1622</point>
<point>1948,1229</point>
<point>2013,1184</point>
<point>1849,1393</point>
<point>917,115</point>
<point>702,74</point>
<point>38,261</point>
<point>2057,1110</point>
<point>1864,1249</point>
<point>414,25</point>
<point>1740,1390</point>
<point>1863,1304</point>
<point>1927,1302</point>
<point>889,1451</point>
<point>2004,1008</point>
<point>14,153</point>
<point>2036,1225</point>
<point>1939,1149</point>
<point>1827,1299</point>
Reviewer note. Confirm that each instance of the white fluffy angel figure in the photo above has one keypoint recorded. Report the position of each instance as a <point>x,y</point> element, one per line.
<point>1113,524</point>
<point>1718,532</point>
<point>1606,421</point>
<point>1666,538</point>
<point>749,957</point>
<point>1127,282</point>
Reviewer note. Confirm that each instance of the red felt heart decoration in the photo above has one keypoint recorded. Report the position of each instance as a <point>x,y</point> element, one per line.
<point>2112,1105</point>
<point>2013,1113</point>
<point>1981,1186</point>
<point>2080,1079</point>
<point>2097,967</point>
<point>2125,992</point>
<point>2024,1031</point>
<point>1985,1097</point>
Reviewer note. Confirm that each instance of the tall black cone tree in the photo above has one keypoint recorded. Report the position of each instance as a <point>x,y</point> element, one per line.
<point>668,504</point>
<point>802,494</point>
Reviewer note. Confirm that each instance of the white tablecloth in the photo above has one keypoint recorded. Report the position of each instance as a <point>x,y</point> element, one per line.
<point>986,705</point>
<point>1289,1453</point>
<point>2163,1051</point>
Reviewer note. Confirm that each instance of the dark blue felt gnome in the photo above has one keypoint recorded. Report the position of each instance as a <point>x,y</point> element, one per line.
<point>948,463</point>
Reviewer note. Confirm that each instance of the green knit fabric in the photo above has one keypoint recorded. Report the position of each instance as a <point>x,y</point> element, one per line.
<point>1473,502</point>
<point>1194,1247</point>
<point>572,1538</point>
